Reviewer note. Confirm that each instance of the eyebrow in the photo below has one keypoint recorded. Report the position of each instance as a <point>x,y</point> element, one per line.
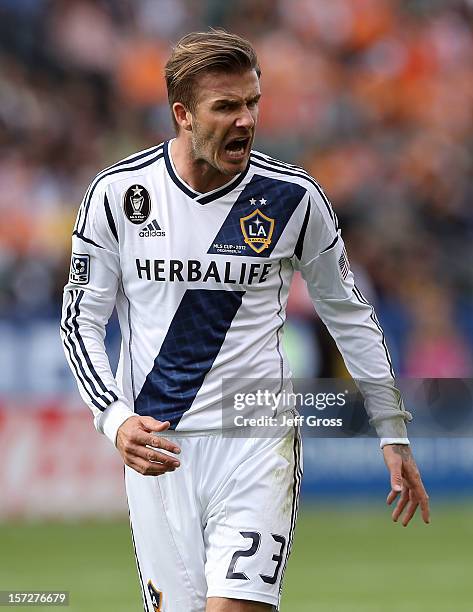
<point>234,101</point>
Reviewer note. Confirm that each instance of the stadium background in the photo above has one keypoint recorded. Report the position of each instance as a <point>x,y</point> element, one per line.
<point>375,99</point>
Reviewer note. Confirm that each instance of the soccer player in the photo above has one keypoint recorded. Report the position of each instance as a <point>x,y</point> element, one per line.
<point>195,242</point>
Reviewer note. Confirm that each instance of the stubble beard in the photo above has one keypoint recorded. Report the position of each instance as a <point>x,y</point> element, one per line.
<point>202,148</point>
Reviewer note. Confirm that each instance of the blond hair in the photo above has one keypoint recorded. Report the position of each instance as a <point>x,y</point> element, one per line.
<point>204,52</point>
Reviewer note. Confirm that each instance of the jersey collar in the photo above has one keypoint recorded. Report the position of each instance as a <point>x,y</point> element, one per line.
<point>201,198</point>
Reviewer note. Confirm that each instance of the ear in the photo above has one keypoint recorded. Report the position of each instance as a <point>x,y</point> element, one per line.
<point>183,116</point>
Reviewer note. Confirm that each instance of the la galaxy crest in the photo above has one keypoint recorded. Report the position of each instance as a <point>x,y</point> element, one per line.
<point>156,596</point>
<point>257,229</point>
<point>137,204</point>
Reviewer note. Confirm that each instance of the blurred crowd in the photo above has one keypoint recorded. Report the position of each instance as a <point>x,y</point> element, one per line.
<point>373,97</point>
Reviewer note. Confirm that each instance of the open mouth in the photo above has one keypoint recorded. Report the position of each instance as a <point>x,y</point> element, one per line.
<point>236,147</point>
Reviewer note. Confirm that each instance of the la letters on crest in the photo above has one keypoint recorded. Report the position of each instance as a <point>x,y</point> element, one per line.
<point>257,229</point>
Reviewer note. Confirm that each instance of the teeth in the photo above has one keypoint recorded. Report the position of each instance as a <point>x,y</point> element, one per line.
<point>236,147</point>
<point>236,152</point>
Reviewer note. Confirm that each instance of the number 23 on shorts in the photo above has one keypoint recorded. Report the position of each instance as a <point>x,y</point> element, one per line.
<point>255,537</point>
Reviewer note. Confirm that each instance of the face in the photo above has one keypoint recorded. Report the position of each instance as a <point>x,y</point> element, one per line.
<point>224,120</point>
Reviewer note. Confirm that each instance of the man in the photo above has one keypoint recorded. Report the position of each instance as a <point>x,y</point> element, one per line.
<point>195,242</point>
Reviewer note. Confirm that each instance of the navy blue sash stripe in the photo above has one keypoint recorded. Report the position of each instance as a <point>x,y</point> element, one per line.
<point>191,345</point>
<point>116,168</point>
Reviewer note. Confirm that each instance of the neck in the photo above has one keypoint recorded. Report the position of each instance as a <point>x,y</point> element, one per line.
<point>197,173</point>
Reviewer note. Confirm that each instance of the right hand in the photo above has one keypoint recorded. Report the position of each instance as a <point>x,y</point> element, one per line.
<point>406,482</point>
<point>135,435</point>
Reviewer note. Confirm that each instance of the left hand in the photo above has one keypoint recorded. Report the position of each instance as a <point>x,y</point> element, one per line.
<point>406,481</point>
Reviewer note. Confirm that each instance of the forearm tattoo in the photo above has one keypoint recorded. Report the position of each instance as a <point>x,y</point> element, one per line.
<point>403,450</point>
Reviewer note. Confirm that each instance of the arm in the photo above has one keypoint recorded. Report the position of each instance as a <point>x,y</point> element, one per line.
<point>89,299</point>
<point>352,322</point>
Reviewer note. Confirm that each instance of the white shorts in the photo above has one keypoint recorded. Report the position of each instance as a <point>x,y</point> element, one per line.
<point>221,525</point>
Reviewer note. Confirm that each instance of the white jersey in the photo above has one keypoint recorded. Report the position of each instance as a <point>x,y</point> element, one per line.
<point>200,283</point>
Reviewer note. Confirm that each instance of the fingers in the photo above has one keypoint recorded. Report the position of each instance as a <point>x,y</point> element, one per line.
<point>138,445</point>
<point>405,478</point>
<point>154,457</point>
<point>401,504</point>
<point>148,469</point>
<point>163,443</point>
<point>391,497</point>
<point>425,509</point>
<point>152,424</point>
<point>149,439</point>
<point>419,495</point>
<point>149,462</point>
<point>412,499</point>
<point>418,492</point>
<point>411,510</point>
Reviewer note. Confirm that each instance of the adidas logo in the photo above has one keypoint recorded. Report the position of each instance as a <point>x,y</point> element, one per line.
<point>152,230</point>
